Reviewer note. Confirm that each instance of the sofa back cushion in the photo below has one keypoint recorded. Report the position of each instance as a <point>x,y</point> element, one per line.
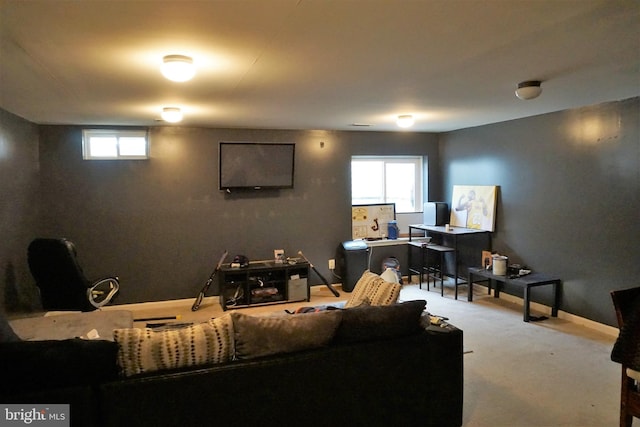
<point>145,350</point>
<point>29,366</point>
<point>371,289</point>
<point>366,323</point>
<point>257,336</point>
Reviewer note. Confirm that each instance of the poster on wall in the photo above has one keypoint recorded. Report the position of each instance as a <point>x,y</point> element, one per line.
<point>371,221</point>
<point>474,206</point>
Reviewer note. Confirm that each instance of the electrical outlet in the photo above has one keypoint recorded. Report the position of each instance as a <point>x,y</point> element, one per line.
<point>332,264</point>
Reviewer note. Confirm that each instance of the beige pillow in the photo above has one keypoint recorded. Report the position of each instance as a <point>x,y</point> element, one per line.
<point>371,289</point>
<point>144,350</point>
<point>256,336</point>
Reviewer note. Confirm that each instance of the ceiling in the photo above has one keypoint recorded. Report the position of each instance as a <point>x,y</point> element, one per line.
<point>310,64</point>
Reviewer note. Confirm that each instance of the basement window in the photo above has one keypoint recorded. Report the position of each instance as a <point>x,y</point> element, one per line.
<point>387,179</point>
<point>114,144</point>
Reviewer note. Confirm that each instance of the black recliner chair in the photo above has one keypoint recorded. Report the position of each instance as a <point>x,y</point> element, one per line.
<point>63,285</point>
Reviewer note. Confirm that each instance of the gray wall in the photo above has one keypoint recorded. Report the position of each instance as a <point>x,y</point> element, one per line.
<point>161,224</point>
<point>18,209</point>
<point>569,199</point>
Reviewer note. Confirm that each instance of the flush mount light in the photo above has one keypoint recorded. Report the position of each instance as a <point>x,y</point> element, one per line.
<point>405,121</point>
<point>529,89</point>
<point>178,68</point>
<point>171,114</point>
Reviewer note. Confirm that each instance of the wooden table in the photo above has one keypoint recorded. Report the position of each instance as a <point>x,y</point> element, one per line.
<point>528,281</point>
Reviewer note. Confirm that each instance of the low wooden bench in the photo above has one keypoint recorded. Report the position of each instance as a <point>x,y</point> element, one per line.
<point>527,282</point>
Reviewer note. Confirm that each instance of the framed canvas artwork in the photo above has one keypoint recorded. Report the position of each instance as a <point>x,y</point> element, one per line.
<point>474,206</point>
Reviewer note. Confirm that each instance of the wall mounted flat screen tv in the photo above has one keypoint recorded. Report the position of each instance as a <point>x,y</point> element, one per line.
<point>256,165</point>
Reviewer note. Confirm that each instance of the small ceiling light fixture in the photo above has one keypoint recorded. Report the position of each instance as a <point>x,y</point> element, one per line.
<point>178,68</point>
<point>405,121</point>
<point>171,114</point>
<point>529,89</point>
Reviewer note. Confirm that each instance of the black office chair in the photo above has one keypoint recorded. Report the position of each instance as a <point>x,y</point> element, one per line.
<point>63,285</point>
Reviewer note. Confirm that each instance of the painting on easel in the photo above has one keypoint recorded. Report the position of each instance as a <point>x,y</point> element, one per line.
<point>474,206</point>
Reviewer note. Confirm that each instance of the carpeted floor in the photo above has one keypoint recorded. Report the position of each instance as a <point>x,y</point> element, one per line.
<point>536,374</point>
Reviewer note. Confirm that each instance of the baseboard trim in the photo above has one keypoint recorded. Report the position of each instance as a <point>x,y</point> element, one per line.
<point>153,305</point>
<point>546,310</point>
<point>542,308</point>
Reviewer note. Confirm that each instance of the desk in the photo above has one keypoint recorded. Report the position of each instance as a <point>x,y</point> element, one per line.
<point>527,282</point>
<point>467,245</point>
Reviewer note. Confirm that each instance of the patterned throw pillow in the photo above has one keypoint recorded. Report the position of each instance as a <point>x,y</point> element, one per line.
<point>145,350</point>
<point>371,289</point>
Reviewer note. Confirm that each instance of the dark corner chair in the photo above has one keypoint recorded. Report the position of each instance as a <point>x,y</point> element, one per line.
<point>626,351</point>
<point>63,285</point>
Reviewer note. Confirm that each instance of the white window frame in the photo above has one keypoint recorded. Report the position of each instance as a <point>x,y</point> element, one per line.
<point>119,135</point>
<point>418,178</point>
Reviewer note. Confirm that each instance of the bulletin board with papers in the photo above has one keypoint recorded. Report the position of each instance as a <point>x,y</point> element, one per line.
<point>371,221</point>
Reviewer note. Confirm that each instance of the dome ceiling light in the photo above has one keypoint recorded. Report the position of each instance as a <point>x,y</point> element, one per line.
<point>178,68</point>
<point>529,89</point>
<point>405,121</point>
<point>171,114</point>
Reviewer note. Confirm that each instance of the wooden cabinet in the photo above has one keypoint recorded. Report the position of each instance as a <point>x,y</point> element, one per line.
<point>264,282</point>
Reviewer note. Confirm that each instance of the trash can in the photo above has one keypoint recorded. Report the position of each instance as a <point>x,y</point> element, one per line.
<point>352,260</point>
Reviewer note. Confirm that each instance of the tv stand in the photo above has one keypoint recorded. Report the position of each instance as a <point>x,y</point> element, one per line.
<point>263,283</point>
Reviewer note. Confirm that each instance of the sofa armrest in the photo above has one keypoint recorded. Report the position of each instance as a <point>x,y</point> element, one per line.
<point>36,365</point>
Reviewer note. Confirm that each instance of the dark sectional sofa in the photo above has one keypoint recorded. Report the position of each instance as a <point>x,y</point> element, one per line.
<point>376,374</point>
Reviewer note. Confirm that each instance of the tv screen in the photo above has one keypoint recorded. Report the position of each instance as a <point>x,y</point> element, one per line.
<point>256,165</point>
